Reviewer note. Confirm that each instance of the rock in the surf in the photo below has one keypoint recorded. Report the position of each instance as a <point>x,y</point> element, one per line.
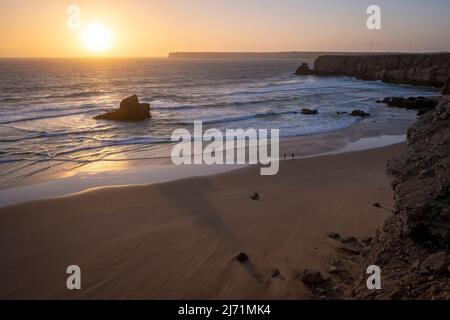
<point>304,70</point>
<point>421,104</point>
<point>309,111</point>
<point>359,113</point>
<point>130,110</point>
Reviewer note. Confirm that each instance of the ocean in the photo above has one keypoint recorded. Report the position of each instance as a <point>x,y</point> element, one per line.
<point>47,106</point>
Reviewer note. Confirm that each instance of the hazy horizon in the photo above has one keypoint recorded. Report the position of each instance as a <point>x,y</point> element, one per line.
<point>154,28</point>
<point>213,52</point>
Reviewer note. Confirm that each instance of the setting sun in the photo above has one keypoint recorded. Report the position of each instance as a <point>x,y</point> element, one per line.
<point>97,38</point>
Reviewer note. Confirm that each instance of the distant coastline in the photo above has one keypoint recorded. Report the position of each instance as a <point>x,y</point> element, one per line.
<point>265,55</point>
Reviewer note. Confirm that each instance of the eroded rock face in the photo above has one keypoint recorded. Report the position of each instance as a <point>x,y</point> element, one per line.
<point>417,69</point>
<point>413,248</point>
<point>446,88</point>
<point>421,178</point>
<point>437,263</point>
<point>130,102</point>
<point>130,110</point>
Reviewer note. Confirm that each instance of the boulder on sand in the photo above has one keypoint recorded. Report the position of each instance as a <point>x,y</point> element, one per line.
<point>130,110</point>
<point>312,277</point>
<point>242,257</point>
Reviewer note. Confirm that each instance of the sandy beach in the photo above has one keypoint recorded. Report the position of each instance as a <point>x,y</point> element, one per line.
<point>178,239</point>
<point>224,158</point>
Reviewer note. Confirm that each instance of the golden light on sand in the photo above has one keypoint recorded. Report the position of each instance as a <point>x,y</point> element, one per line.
<point>97,38</point>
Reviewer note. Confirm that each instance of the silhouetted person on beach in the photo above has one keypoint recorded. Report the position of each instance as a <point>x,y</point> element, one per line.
<point>255,196</point>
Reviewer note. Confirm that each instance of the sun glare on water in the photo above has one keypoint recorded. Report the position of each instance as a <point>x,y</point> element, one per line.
<point>97,38</point>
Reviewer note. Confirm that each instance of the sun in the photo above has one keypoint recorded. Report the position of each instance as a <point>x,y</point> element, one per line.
<point>97,38</point>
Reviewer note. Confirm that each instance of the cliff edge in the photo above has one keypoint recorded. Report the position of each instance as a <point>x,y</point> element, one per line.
<point>416,69</point>
<point>413,249</point>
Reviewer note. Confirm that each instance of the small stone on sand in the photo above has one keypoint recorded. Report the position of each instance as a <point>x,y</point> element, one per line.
<point>311,277</point>
<point>242,257</point>
<point>275,273</point>
<point>377,205</point>
<point>333,235</point>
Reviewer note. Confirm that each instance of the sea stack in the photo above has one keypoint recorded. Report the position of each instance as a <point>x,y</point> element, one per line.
<point>130,110</point>
<point>304,70</point>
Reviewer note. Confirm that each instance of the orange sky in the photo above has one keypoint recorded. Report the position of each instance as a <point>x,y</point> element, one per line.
<point>37,28</point>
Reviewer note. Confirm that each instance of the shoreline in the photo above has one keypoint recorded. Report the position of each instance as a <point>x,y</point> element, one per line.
<point>145,174</point>
<point>155,166</point>
<point>177,239</point>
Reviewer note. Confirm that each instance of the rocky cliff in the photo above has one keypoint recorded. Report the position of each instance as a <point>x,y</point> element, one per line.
<point>413,249</point>
<point>416,69</point>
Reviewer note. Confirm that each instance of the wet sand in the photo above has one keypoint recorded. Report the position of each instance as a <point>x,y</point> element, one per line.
<point>178,239</point>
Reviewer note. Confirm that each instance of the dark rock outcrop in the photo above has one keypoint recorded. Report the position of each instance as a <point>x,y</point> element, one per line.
<point>446,88</point>
<point>309,111</point>
<point>413,248</point>
<point>421,104</point>
<point>312,277</point>
<point>416,69</point>
<point>437,263</point>
<point>304,70</point>
<point>359,113</point>
<point>421,179</point>
<point>130,110</point>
